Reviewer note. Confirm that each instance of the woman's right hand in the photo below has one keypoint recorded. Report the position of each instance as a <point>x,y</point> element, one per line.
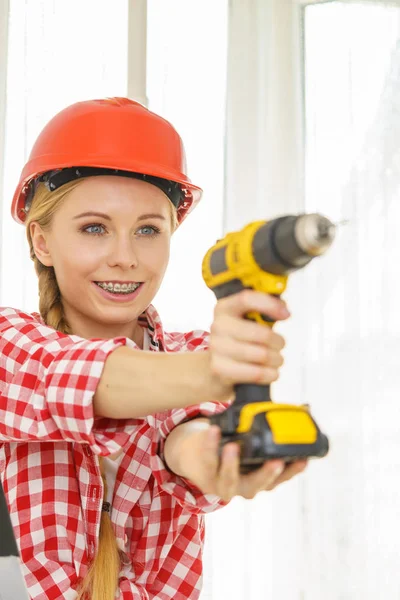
<point>243,351</point>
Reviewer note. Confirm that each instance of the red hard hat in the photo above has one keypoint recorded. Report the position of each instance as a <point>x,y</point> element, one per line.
<point>113,133</point>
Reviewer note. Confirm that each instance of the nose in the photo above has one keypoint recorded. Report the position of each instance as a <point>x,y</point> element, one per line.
<point>122,252</point>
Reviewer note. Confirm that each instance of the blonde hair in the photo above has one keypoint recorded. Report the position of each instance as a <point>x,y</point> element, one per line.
<point>101,580</point>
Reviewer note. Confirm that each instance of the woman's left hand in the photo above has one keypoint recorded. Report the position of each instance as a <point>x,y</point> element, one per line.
<point>200,464</point>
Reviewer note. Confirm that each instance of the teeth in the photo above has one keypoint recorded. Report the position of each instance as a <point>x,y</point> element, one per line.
<point>119,288</point>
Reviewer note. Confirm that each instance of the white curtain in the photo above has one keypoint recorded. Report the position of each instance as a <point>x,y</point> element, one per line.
<point>351,359</point>
<point>255,547</point>
<point>334,532</point>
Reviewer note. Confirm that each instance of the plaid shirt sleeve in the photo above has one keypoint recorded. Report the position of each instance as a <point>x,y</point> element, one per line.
<point>47,384</point>
<point>189,496</point>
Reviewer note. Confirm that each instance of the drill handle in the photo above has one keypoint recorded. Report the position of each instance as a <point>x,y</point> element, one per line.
<point>249,393</point>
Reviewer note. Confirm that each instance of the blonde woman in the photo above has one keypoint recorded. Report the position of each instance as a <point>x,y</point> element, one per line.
<point>107,457</point>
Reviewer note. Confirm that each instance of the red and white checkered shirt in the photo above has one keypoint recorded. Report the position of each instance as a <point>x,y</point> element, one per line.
<point>49,447</point>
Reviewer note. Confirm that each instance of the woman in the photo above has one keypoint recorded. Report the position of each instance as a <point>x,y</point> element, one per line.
<point>108,459</point>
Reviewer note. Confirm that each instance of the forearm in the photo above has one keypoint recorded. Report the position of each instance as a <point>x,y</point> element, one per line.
<point>136,384</point>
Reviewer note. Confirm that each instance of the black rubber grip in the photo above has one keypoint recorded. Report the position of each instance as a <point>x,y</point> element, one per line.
<point>249,393</point>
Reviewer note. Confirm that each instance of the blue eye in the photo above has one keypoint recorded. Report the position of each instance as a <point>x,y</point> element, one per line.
<point>94,229</point>
<point>148,230</point>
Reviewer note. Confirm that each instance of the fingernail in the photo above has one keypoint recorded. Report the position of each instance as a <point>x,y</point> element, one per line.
<point>285,312</point>
<point>279,470</point>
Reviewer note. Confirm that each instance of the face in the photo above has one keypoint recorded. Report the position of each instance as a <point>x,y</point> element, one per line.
<point>108,233</point>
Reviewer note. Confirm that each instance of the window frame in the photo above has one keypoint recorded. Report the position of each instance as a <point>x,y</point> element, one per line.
<point>137,51</point>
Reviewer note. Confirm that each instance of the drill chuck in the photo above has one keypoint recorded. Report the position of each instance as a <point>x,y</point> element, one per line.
<point>289,243</point>
<point>314,233</point>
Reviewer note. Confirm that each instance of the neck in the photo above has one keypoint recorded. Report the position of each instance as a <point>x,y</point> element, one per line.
<point>87,329</point>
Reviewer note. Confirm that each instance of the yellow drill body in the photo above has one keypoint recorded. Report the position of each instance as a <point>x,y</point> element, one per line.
<point>241,265</point>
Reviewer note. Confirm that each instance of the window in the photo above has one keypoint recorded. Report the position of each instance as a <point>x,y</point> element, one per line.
<point>352,92</point>
<point>186,80</point>
<point>58,53</point>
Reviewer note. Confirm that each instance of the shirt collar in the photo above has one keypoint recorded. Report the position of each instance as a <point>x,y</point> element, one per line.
<point>151,319</point>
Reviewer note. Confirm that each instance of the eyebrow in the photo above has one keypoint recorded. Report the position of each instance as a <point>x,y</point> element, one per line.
<point>107,218</point>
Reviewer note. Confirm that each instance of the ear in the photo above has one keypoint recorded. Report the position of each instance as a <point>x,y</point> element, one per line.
<point>40,244</point>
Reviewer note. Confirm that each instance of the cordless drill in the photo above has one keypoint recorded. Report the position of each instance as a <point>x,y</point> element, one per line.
<point>260,257</point>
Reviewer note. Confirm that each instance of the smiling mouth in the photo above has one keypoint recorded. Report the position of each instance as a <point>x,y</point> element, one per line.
<point>118,288</point>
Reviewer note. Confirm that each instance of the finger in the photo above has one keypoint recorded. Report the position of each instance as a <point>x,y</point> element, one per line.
<point>261,479</point>
<point>245,352</point>
<point>238,372</point>
<point>290,471</point>
<point>249,300</point>
<point>210,455</point>
<point>247,331</point>
<point>228,477</point>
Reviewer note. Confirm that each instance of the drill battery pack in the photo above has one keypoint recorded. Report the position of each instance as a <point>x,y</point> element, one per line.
<point>267,431</point>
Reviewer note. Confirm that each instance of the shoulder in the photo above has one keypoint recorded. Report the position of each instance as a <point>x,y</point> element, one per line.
<point>11,317</point>
<point>18,326</point>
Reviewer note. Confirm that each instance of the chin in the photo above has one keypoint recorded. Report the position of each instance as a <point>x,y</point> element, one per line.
<point>113,317</point>
<point>119,315</point>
